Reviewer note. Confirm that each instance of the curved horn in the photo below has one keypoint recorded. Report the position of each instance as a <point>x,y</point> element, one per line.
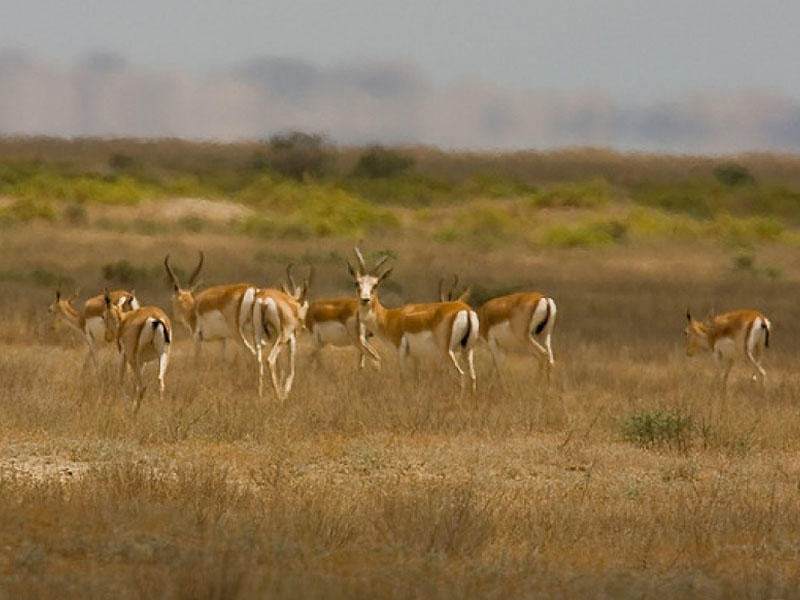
<point>196,271</point>
<point>310,277</point>
<point>106,298</point>
<point>441,290</point>
<point>688,315</point>
<point>362,266</point>
<point>452,294</point>
<point>290,278</point>
<point>170,273</point>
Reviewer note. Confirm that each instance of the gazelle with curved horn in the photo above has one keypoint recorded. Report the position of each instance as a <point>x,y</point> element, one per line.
<point>219,312</point>
<point>427,332</point>
<point>278,317</point>
<point>142,335</point>
<point>514,322</point>
<point>89,320</point>
<point>727,335</point>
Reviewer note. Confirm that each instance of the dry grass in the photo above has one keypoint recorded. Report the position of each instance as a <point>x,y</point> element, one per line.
<point>363,486</point>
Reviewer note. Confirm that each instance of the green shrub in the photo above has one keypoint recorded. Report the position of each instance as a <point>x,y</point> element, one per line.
<point>481,223</point>
<point>297,154</point>
<point>593,233</point>
<point>649,223</point>
<point>581,194</point>
<point>658,427</point>
<point>379,162</point>
<point>406,189</point>
<point>732,174</point>
<point>742,231</point>
<point>123,272</point>
<point>495,186</point>
<point>23,210</point>
<point>693,198</point>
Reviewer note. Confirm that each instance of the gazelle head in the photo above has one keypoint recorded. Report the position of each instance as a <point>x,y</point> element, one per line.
<point>299,293</point>
<point>452,295</point>
<point>61,306</point>
<point>696,333</point>
<point>111,318</point>
<point>183,298</point>
<point>367,280</point>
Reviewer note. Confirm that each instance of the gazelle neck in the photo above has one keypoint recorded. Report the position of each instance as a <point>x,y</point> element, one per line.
<point>375,314</point>
<point>70,314</point>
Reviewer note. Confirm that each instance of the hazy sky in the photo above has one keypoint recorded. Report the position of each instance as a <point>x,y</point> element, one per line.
<point>631,50</point>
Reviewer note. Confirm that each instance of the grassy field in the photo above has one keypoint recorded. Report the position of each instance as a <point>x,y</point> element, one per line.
<point>631,477</point>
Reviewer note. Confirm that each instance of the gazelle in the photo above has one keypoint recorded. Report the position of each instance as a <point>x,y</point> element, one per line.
<point>278,316</point>
<point>726,335</point>
<point>513,323</point>
<point>428,332</point>
<point>217,313</point>
<point>142,335</point>
<point>89,321</point>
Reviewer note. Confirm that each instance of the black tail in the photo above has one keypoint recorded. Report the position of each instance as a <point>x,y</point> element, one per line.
<point>766,333</point>
<point>465,339</point>
<point>166,331</point>
<point>540,326</point>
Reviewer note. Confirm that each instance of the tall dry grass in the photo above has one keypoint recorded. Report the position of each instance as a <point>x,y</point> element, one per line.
<point>365,485</point>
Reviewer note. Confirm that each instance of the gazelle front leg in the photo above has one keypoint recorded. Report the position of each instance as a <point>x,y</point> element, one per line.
<point>366,348</point>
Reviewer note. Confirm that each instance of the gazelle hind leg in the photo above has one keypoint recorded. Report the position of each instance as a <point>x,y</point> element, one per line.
<point>163,361</point>
<point>470,357</point>
<point>272,359</point>
<point>287,385</point>
<point>461,373</point>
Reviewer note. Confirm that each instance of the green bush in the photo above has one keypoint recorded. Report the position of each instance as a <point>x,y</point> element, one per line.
<point>406,189</point>
<point>732,174</point>
<point>495,186</point>
<point>693,198</point>
<point>581,194</point>
<point>297,154</point>
<point>481,223</point>
<point>746,230</point>
<point>593,233</point>
<point>379,162</point>
<point>658,427</point>
<point>123,272</point>
<point>23,210</point>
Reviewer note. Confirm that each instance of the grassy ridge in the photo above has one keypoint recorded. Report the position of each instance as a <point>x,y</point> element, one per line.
<point>299,186</point>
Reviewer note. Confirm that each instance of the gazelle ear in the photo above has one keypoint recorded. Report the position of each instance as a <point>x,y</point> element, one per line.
<point>385,274</point>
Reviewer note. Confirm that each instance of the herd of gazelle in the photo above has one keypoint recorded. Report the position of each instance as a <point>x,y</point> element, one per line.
<point>265,321</point>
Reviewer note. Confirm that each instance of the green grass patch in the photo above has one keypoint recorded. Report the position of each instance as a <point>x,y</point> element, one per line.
<point>574,194</point>
<point>597,232</point>
<point>658,428</point>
